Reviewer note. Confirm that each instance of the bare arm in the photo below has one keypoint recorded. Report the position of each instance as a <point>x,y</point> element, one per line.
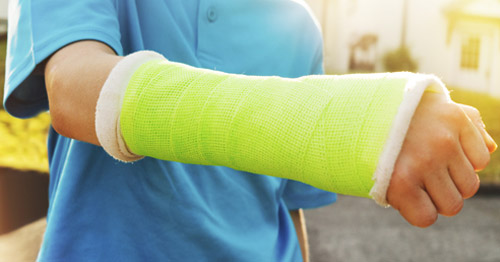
<point>74,76</point>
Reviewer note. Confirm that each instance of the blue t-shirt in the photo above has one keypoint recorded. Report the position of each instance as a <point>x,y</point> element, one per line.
<point>152,210</point>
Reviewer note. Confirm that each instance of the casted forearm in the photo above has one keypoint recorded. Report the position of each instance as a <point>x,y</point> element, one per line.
<point>326,131</point>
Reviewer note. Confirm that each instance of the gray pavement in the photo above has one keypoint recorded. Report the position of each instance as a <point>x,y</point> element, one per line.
<point>357,230</point>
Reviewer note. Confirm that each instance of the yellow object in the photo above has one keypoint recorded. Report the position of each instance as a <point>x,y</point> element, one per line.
<point>23,142</point>
<point>322,130</point>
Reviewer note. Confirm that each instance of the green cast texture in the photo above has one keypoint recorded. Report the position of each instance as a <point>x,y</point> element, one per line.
<point>325,131</point>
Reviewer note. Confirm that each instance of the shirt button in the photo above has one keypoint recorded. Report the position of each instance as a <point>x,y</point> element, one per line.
<point>211,14</point>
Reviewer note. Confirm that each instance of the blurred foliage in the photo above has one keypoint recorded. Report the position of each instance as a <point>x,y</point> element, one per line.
<point>23,142</point>
<point>490,112</point>
<point>3,48</point>
<point>399,59</point>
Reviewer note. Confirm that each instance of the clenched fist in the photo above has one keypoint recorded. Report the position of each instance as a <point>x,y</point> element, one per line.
<point>436,169</point>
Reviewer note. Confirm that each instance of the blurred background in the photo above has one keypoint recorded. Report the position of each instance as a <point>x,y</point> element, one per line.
<point>458,40</point>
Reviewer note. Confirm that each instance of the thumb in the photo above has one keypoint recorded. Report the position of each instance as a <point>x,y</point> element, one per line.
<point>475,118</point>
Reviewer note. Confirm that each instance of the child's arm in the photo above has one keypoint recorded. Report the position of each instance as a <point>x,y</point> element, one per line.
<point>74,76</point>
<point>73,90</point>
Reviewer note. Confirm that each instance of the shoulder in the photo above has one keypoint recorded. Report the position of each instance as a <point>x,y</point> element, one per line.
<point>33,38</point>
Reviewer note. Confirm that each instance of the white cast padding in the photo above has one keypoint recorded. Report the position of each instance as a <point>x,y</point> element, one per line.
<point>109,104</point>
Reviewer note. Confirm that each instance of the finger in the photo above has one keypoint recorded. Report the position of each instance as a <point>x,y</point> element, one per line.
<point>407,195</point>
<point>444,194</point>
<point>475,118</point>
<point>463,175</point>
<point>473,146</point>
<point>418,210</point>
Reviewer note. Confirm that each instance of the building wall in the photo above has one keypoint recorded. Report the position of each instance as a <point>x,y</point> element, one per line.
<point>436,48</point>
<point>482,78</point>
<point>495,73</point>
<point>3,9</point>
<point>427,36</point>
<point>348,20</point>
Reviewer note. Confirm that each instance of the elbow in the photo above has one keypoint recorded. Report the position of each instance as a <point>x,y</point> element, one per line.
<point>74,77</point>
<point>54,83</point>
<point>59,124</point>
<point>71,111</point>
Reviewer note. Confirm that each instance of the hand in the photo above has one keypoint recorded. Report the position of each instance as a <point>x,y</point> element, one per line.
<point>436,169</point>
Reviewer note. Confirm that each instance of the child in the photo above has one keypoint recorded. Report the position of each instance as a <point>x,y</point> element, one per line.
<point>62,53</point>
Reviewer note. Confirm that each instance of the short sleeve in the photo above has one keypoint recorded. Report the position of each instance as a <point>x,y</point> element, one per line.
<point>299,195</point>
<point>37,29</point>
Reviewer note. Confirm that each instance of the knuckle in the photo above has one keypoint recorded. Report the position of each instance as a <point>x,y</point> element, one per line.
<point>454,112</point>
<point>473,113</point>
<point>417,209</point>
<point>446,140</point>
<point>486,160</point>
<point>426,161</point>
<point>426,219</point>
<point>452,208</point>
<point>482,162</point>
<point>471,188</point>
<point>402,182</point>
<point>421,160</point>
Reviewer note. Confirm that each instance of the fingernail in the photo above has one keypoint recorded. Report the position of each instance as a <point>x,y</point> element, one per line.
<point>495,146</point>
<point>492,145</point>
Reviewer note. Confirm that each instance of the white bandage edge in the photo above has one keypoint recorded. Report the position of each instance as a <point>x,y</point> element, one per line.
<point>415,87</point>
<point>109,104</point>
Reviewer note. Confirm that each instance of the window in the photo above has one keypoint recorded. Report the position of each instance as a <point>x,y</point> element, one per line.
<point>3,28</point>
<point>363,53</point>
<point>470,53</point>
